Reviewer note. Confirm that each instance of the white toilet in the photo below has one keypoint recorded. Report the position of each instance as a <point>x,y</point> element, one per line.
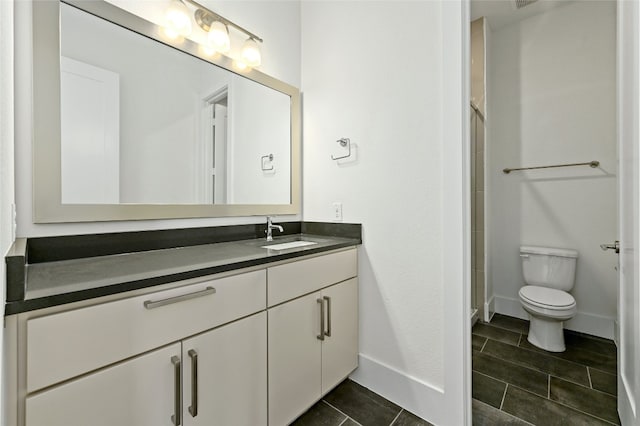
<point>549,275</point>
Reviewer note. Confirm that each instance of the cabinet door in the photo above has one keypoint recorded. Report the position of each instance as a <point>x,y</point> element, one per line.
<point>294,358</point>
<point>227,369</point>
<point>340,347</point>
<point>138,392</point>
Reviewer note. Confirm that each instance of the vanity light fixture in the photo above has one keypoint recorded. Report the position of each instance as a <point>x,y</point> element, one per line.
<point>217,29</point>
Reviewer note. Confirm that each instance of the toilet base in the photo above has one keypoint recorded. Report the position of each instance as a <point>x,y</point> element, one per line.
<point>546,333</point>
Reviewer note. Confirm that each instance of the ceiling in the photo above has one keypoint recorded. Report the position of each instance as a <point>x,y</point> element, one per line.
<point>501,13</point>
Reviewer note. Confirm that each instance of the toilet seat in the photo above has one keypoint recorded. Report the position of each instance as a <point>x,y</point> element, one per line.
<point>547,298</point>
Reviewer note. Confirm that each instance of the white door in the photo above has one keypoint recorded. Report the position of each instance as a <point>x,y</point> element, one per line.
<point>225,375</point>
<point>90,133</point>
<point>628,204</point>
<point>138,392</point>
<point>220,155</point>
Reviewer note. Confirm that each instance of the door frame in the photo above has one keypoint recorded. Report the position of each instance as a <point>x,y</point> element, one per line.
<point>456,211</point>
<point>462,172</point>
<point>627,58</point>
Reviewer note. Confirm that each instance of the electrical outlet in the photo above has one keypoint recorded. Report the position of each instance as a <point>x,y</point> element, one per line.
<point>337,211</point>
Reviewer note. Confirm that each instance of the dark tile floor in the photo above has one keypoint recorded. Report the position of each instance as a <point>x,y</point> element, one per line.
<point>516,383</point>
<point>350,404</point>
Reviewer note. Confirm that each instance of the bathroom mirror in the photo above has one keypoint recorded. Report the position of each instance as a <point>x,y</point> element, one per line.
<point>131,125</point>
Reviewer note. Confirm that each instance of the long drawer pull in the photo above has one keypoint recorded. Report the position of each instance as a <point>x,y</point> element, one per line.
<point>193,409</point>
<point>150,304</point>
<point>176,418</point>
<point>321,335</point>
<point>328,332</point>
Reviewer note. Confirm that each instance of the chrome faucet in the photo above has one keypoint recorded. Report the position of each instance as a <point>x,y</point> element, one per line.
<point>271,227</point>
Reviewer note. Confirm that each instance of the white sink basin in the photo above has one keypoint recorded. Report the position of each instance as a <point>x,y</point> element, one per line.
<point>293,244</point>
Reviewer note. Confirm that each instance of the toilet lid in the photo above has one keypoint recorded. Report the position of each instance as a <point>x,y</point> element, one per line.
<point>547,297</point>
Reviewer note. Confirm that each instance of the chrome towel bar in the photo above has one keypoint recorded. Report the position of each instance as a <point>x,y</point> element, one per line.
<point>592,164</point>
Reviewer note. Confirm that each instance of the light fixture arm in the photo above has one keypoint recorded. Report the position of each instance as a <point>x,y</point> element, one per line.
<point>205,17</point>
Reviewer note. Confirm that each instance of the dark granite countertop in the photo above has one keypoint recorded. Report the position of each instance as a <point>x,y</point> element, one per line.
<point>56,282</point>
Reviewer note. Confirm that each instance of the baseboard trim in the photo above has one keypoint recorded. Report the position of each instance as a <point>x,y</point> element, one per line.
<point>596,325</point>
<point>420,398</point>
<point>474,317</point>
<point>489,309</point>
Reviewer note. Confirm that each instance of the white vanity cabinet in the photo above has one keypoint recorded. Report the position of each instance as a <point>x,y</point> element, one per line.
<point>216,378</point>
<point>254,348</point>
<point>90,366</point>
<point>313,339</point>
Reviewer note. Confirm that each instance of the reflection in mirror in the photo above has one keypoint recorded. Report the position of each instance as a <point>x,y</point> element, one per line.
<point>144,123</point>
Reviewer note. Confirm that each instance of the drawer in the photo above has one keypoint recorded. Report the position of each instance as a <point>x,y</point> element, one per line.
<point>295,279</point>
<point>64,345</point>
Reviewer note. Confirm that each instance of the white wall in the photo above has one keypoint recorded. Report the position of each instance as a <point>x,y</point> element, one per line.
<point>6,168</point>
<point>552,101</point>
<point>260,125</point>
<point>374,72</point>
<point>277,22</point>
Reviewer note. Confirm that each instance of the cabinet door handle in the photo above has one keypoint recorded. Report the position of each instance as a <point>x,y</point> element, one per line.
<point>321,335</point>
<point>193,410</point>
<point>150,304</point>
<point>176,418</point>
<point>328,332</point>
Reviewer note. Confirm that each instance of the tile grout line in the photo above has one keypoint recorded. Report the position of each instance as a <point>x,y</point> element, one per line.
<point>486,339</point>
<point>599,370</point>
<point>583,386</point>
<point>548,394</point>
<point>527,366</point>
<point>396,418</point>
<point>538,369</point>
<point>564,405</point>
<point>343,422</point>
<point>583,412</point>
<point>506,413</point>
<point>501,327</point>
<point>568,362</point>
<point>341,412</point>
<point>545,354</point>
<point>503,396</point>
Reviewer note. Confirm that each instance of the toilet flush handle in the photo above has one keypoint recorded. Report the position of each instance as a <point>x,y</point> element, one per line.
<point>615,246</point>
<point>524,255</point>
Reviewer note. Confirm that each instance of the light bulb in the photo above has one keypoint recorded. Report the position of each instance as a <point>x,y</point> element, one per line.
<point>218,38</point>
<point>177,19</point>
<point>251,53</point>
<point>208,50</point>
<point>240,65</point>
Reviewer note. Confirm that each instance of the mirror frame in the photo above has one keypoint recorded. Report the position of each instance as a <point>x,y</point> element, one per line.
<point>46,162</point>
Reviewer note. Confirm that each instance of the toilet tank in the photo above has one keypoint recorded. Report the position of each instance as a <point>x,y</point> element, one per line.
<point>549,267</point>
